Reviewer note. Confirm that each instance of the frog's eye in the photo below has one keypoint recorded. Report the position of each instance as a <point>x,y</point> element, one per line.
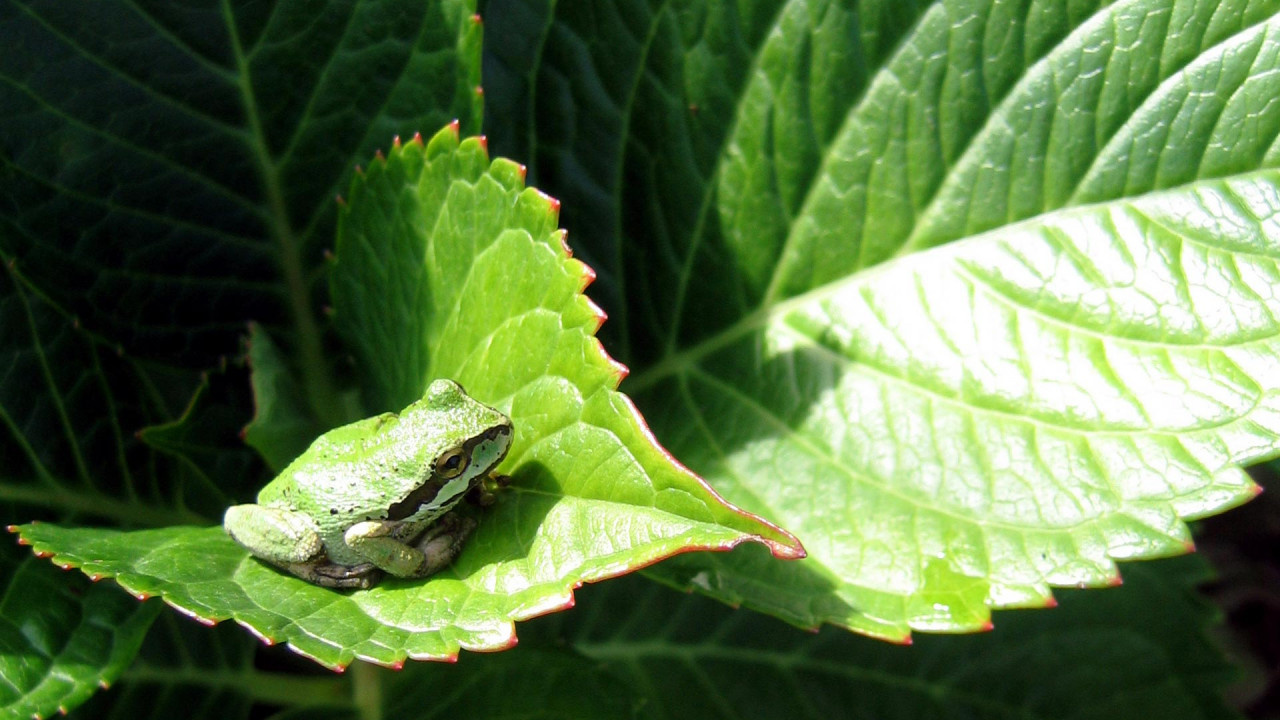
<point>451,464</point>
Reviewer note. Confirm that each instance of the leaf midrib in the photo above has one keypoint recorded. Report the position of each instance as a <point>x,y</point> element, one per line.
<point>315,371</point>
<point>770,307</point>
<point>681,361</point>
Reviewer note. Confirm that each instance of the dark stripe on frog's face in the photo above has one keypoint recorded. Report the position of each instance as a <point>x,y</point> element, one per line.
<point>484,452</point>
<point>425,493</point>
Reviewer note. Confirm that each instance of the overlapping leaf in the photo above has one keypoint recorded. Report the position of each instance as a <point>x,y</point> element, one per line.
<point>966,428</point>
<point>167,173</point>
<point>448,267</point>
<point>62,640</point>
<point>1125,652</point>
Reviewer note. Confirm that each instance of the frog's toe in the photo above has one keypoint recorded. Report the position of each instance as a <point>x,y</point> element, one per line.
<point>364,575</point>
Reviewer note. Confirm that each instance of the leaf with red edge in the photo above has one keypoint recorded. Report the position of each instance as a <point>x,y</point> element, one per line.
<point>447,266</point>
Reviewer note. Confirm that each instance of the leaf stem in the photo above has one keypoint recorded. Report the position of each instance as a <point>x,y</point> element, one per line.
<point>281,689</point>
<point>89,502</point>
<point>366,690</point>
<point>321,392</point>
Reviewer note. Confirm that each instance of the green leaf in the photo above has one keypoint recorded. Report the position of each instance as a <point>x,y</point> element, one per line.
<point>959,429</point>
<point>282,425</point>
<point>71,412</point>
<point>1115,653</point>
<point>62,639</point>
<point>168,173</point>
<point>1136,651</point>
<point>1128,356</point>
<point>185,670</point>
<point>499,304</point>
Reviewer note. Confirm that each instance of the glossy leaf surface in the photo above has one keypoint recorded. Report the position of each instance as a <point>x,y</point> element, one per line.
<point>592,496</point>
<point>946,430</point>
<point>63,640</point>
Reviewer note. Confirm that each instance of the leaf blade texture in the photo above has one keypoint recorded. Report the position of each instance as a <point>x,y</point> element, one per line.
<point>759,168</point>
<point>592,495</point>
<point>64,641</point>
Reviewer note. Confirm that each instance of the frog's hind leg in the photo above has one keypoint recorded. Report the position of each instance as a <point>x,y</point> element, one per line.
<point>289,540</point>
<point>279,536</point>
<point>375,541</point>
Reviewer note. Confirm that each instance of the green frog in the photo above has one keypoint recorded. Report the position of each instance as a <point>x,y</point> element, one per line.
<point>375,496</point>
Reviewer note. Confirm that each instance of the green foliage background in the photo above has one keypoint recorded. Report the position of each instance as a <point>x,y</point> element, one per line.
<point>973,298</point>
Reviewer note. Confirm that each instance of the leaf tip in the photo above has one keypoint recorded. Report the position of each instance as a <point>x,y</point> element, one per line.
<point>417,139</point>
<point>484,143</point>
<point>395,142</point>
<point>476,19</point>
<point>588,272</point>
<point>206,621</point>
<point>780,542</point>
<point>264,639</point>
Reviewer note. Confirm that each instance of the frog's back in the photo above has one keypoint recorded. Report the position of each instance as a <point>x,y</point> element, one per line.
<point>345,472</point>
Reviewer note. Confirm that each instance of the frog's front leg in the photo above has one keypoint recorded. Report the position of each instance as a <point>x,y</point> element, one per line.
<point>375,541</point>
<point>485,492</point>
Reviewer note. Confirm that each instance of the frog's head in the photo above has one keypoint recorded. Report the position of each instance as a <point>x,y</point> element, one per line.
<point>458,441</point>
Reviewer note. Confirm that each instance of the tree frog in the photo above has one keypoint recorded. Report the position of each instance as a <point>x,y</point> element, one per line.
<point>374,496</point>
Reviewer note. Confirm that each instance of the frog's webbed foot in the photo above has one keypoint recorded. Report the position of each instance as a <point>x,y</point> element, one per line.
<point>375,541</point>
<point>364,575</point>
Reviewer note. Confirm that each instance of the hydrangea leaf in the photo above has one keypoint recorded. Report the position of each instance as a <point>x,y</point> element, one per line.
<point>168,172</point>
<point>1032,405</point>
<point>1141,649</point>
<point>447,266</point>
<point>62,640</point>
<point>947,432</point>
<point>282,425</point>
